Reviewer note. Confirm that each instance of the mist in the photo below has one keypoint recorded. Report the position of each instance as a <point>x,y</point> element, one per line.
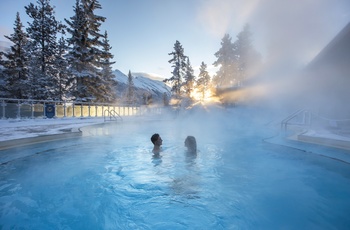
<point>290,35</point>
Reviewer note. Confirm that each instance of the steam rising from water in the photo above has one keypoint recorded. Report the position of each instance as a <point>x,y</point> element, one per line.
<point>289,34</point>
<point>289,30</point>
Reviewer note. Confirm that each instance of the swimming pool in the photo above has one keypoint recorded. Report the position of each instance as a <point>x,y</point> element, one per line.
<point>110,180</point>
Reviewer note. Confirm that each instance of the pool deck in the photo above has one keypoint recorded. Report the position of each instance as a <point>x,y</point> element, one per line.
<point>15,133</point>
<point>325,143</point>
<point>38,139</point>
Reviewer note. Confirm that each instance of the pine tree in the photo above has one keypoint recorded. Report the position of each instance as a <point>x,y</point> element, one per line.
<point>189,78</point>
<point>63,78</point>
<point>42,32</point>
<point>78,52</point>
<point>108,79</point>
<point>248,58</point>
<point>15,63</point>
<point>3,85</point>
<point>178,62</point>
<point>226,59</point>
<point>85,54</point>
<point>203,79</point>
<point>130,95</point>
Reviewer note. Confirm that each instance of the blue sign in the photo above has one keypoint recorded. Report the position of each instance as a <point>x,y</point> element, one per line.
<point>50,111</point>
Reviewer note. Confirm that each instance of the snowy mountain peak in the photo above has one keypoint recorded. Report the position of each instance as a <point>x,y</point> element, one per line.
<point>145,82</point>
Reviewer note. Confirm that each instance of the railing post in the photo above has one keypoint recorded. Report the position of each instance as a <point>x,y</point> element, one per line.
<point>18,110</point>
<point>44,105</point>
<point>89,109</point>
<point>81,110</point>
<point>64,108</point>
<point>73,109</point>
<point>55,108</point>
<point>3,104</point>
<point>32,109</point>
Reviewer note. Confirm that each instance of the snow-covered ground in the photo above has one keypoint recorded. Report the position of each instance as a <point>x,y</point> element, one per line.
<point>12,129</point>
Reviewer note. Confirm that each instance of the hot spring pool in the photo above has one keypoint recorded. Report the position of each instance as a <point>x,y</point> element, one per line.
<point>109,180</point>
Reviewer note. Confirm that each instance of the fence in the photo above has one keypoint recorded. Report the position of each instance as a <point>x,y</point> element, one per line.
<point>23,108</point>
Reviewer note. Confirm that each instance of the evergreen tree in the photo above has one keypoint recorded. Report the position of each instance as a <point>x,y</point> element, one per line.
<point>78,53</point>
<point>15,63</point>
<point>227,61</point>
<point>248,58</point>
<point>63,77</point>
<point>97,85</point>
<point>130,97</point>
<point>85,52</point>
<point>43,46</point>
<point>3,87</point>
<point>178,62</point>
<point>189,78</point>
<point>203,79</point>
<point>108,79</point>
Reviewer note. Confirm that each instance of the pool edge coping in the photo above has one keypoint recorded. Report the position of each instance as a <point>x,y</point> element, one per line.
<point>8,144</point>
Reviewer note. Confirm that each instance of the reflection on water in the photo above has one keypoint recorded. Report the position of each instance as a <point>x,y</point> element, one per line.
<point>156,159</point>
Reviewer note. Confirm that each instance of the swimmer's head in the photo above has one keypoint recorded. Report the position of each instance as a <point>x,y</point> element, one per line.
<point>191,144</point>
<point>156,139</point>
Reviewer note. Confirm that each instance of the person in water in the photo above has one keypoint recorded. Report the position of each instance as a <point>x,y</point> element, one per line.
<point>157,142</point>
<point>191,144</point>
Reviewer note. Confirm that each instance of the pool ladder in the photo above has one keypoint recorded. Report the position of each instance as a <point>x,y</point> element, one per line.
<point>111,115</point>
<point>301,119</point>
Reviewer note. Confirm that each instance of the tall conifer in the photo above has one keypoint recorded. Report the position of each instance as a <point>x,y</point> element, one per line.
<point>203,79</point>
<point>248,58</point>
<point>178,62</point>
<point>189,78</point>
<point>130,95</point>
<point>43,45</point>
<point>227,61</point>
<point>86,51</point>
<point>108,79</point>
<point>15,64</point>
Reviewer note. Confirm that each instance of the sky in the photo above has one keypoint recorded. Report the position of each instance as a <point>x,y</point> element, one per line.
<point>142,33</point>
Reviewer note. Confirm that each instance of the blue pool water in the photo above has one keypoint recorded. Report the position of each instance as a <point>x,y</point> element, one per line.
<point>110,180</point>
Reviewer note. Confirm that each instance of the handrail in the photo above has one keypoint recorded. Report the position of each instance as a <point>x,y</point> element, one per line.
<point>285,121</point>
<point>111,114</point>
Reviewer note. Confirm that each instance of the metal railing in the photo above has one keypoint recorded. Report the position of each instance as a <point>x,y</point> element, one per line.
<point>301,117</point>
<point>25,108</point>
<point>303,120</point>
<point>112,115</point>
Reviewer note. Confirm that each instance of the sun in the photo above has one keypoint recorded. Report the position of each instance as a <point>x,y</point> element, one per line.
<point>197,95</point>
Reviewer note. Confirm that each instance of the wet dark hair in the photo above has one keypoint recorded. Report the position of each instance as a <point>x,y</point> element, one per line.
<point>191,143</point>
<point>154,137</point>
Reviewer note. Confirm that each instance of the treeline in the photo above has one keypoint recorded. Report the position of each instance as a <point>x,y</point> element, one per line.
<point>237,62</point>
<point>52,60</point>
